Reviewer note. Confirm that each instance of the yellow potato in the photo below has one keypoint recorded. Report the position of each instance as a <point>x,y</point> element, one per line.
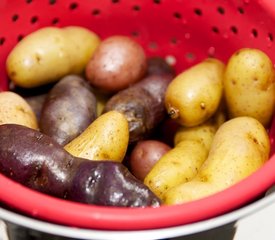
<point>239,148</point>
<point>50,53</point>
<point>41,57</point>
<point>204,132</point>
<point>14,109</point>
<point>195,94</point>
<point>85,42</point>
<point>106,138</point>
<point>249,85</point>
<point>182,163</point>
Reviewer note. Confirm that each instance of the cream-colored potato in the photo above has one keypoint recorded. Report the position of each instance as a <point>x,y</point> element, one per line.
<point>182,163</point>
<point>106,138</point>
<point>195,94</point>
<point>249,85</point>
<point>14,109</point>
<point>203,132</point>
<point>41,57</point>
<point>50,53</point>
<point>85,41</point>
<point>240,147</point>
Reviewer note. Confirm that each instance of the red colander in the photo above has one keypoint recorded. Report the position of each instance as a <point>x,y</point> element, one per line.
<point>184,32</point>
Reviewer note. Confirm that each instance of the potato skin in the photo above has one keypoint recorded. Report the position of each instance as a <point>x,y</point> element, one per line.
<point>69,108</point>
<point>240,147</point>
<point>117,63</point>
<point>110,184</point>
<point>178,165</point>
<point>194,95</point>
<point>142,104</point>
<point>45,56</point>
<point>33,159</point>
<point>204,132</point>
<point>41,57</point>
<point>144,156</point>
<point>183,161</point>
<point>249,85</point>
<point>85,43</point>
<point>15,109</point>
<point>159,66</point>
<point>106,138</point>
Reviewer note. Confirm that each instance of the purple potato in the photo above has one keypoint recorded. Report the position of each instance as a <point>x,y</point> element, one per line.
<point>142,104</point>
<point>110,184</point>
<point>70,107</point>
<point>37,161</point>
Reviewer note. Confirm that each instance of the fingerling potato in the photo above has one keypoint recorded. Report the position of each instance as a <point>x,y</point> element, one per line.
<point>69,108</point>
<point>239,148</point>
<point>194,95</point>
<point>15,109</point>
<point>182,163</point>
<point>106,138</point>
<point>249,85</point>
<point>48,54</point>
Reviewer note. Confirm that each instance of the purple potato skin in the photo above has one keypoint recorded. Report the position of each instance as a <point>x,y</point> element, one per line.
<point>35,160</point>
<point>69,108</point>
<point>158,66</point>
<point>142,104</point>
<point>110,184</point>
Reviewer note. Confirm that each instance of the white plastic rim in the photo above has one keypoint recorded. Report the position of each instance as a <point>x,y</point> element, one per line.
<point>171,232</point>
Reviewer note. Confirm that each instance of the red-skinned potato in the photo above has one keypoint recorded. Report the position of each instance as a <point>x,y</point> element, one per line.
<point>144,156</point>
<point>117,63</point>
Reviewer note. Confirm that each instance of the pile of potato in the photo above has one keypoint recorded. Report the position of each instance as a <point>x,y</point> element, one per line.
<point>103,107</point>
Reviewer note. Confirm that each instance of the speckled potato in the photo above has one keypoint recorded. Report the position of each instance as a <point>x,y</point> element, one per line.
<point>15,109</point>
<point>194,95</point>
<point>203,132</point>
<point>182,163</point>
<point>117,63</point>
<point>239,148</point>
<point>106,138</point>
<point>48,54</point>
<point>249,85</point>
<point>85,41</point>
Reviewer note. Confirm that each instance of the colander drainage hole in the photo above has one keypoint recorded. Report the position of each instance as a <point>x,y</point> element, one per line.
<point>2,41</point>
<point>73,5</point>
<point>221,10</point>
<point>55,21</point>
<point>270,37</point>
<point>95,12</point>
<point>34,19</point>
<point>254,33</point>
<point>15,17</point>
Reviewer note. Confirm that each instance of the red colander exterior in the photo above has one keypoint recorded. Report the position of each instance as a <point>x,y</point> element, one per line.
<point>182,31</point>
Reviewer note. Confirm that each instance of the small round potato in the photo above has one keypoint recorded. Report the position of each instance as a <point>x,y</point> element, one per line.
<point>145,155</point>
<point>15,109</point>
<point>117,63</point>
<point>249,85</point>
<point>195,94</point>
